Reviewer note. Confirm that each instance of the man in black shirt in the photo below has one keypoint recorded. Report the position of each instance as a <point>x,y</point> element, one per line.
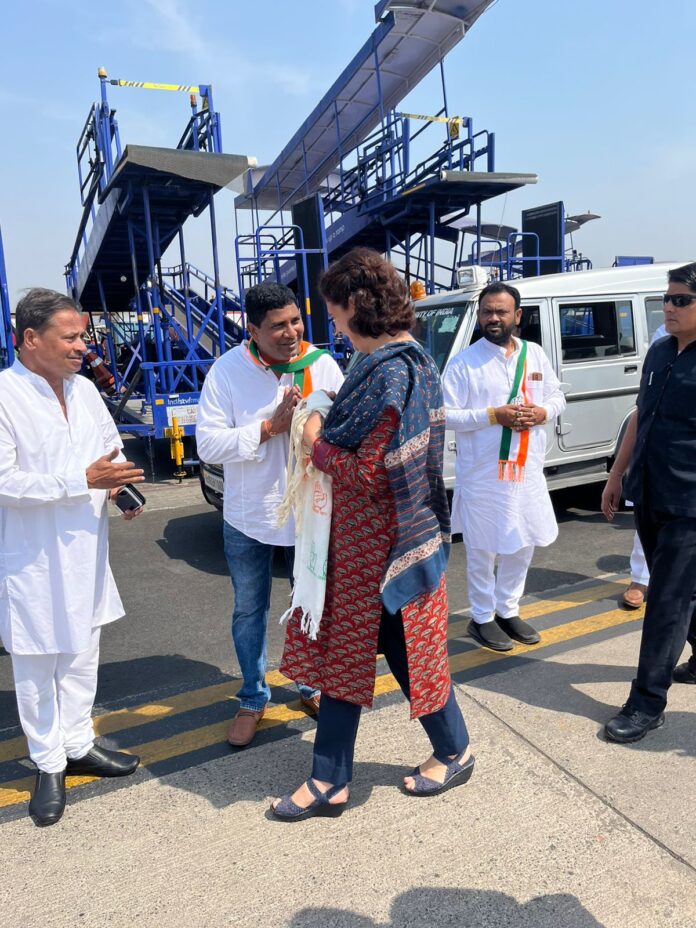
<point>660,445</point>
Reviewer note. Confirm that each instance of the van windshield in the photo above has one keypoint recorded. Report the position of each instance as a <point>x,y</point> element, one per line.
<point>436,329</point>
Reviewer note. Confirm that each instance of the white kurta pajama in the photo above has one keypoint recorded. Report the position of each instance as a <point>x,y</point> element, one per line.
<point>56,586</point>
<point>506,519</point>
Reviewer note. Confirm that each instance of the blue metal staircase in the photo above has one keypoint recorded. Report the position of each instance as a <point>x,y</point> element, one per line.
<point>163,327</point>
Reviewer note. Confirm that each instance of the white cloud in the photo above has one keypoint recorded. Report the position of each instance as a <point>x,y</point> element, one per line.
<point>174,26</point>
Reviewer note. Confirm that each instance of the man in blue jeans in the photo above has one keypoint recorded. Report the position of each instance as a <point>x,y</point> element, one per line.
<point>244,417</point>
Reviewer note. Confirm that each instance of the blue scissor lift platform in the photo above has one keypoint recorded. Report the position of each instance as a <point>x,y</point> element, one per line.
<point>163,326</point>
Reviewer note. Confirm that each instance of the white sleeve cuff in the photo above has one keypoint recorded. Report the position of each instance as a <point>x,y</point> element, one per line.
<point>250,447</point>
<point>76,483</point>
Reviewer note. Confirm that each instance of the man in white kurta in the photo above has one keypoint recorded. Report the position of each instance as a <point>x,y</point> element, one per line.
<point>59,459</point>
<point>244,417</point>
<point>501,503</point>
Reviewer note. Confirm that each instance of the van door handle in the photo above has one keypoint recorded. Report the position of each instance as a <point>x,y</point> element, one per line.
<point>631,369</point>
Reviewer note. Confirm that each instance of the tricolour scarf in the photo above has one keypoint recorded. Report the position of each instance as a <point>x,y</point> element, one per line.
<point>509,469</point>
<point>298,366</point>
<point>402,376</point>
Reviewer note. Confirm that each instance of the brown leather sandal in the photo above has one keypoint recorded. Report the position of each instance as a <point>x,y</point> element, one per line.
<point>635,596</point>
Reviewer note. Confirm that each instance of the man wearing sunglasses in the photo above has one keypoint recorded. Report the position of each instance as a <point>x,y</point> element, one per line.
<point>660,446</point>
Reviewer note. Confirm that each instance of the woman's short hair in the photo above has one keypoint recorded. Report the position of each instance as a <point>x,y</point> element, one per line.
<point>380,296</point>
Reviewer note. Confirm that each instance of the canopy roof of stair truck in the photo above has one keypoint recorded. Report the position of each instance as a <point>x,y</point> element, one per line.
<point>178,186</point>
<point>410,39</point>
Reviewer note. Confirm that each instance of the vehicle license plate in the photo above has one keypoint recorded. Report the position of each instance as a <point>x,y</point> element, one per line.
<point>215,483</point>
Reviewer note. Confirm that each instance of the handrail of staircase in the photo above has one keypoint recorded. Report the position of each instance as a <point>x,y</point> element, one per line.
<point>192,271</point>
<point>205,320</point>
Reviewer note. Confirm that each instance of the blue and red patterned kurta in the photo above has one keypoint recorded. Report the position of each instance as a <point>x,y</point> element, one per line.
<point>341,662</point>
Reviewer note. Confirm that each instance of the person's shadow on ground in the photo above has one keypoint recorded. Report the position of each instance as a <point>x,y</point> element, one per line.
<point>459,908</point>
<point>558,686</point>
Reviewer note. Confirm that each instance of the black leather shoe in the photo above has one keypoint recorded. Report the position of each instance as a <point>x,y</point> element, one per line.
<point>631,725</point>
<point>100,762</point>
<point>47,804</point>
<point>683,673</point>
<point>515,628</point>
<point>490,635</point>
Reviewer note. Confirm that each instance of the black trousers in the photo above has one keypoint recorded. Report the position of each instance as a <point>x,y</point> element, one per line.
<point>669,543</point>
<point>337,724</point>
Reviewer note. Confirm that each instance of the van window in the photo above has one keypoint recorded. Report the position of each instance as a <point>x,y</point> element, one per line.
<point>436,329</point>
<point>592,331</point>
<point>654,314</point>
<point>530,327</point>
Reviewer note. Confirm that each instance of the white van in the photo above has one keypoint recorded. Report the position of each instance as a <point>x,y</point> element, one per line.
<point>595,327</point>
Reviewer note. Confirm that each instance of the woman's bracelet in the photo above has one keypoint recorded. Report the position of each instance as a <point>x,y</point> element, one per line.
<point>615,473</point>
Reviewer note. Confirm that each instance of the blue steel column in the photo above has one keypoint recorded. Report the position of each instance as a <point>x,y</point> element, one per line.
<point>379,84</point>
<point>153,295</point>
<point>139,308</point>
<point>104,129</point>
<point>109,333</point>
<point>206,91</point>
<point>216,274</point>
<point>185,286</point>
<point>194,122</point>
<point>431,247</point>
<point>444,106</point>
<point>340,152</point>
<point>406,123</point>
<point>169,373</point>
<point>478,233</point>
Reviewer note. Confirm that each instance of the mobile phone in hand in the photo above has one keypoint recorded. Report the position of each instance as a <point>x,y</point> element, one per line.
<point>128,498</point>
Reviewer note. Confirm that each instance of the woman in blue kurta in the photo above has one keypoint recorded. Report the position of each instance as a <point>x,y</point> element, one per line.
<point>382,445</point>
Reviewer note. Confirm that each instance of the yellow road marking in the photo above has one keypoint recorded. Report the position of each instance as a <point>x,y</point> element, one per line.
<point>558,603</point>
<point>559,633</point>
<point>152,752</point>
<point>124,719</point>
<point>555,635</point>
<point>15,791</point>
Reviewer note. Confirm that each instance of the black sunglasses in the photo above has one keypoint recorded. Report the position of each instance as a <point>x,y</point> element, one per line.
<point>679,300</point>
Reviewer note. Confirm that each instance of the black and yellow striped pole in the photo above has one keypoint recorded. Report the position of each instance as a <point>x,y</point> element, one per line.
<point>148,85</point>
<point>454,123</point>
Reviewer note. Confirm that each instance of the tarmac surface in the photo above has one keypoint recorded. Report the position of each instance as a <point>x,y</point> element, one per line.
<point>556,829</point>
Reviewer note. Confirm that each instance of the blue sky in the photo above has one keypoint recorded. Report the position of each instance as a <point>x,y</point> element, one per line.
<point>595,96</point>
